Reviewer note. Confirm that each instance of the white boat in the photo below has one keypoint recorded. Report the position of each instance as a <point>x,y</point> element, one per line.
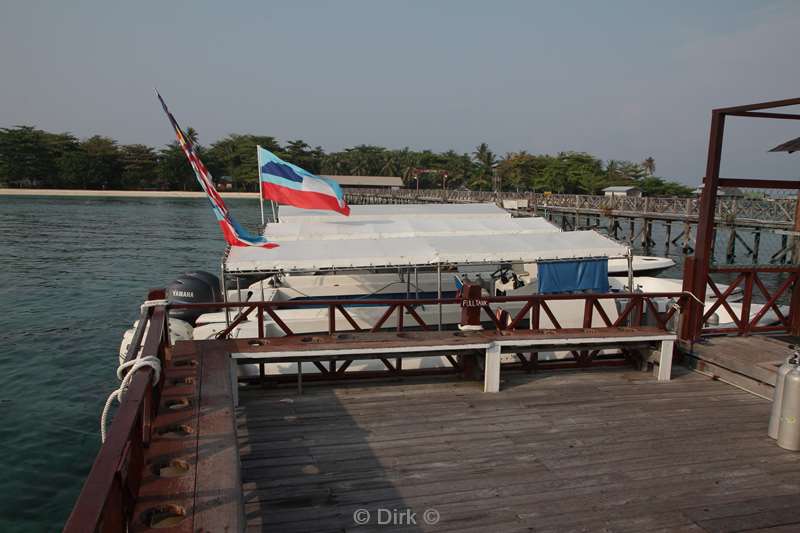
<point>411,251</point>
<point>642,265</point>
<point>652,284</point>
<point>404,251</point>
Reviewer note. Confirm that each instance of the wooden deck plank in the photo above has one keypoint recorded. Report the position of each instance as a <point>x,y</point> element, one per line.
<point>218,498</point>
<point>561,451</point>
<point>750,362</point>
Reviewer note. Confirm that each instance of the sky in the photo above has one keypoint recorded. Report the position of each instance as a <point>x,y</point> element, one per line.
<point>618,79</point>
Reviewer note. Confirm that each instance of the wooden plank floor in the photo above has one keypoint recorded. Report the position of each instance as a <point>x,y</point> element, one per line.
<point>609,450</point>
<point>750,362</point>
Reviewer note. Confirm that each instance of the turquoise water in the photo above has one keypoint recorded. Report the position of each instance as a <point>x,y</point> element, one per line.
<point>73,272</point>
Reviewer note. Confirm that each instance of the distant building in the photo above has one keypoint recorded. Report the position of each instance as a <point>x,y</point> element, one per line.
<point>225,183</point>
<point>622,190</point>
<point>384,182</point>
<point>726,192</point>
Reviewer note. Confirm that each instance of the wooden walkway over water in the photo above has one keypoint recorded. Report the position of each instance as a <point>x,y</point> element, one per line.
<point>610,450</point>
<point>578,449</point>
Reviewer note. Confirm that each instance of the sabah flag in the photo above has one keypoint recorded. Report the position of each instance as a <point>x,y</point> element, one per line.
<point>289,184</point>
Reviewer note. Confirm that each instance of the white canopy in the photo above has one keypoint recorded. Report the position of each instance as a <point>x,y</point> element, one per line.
<point>403,227</point>
<point>319,254</point>
<point>413,234</point>
<point>394,211</point>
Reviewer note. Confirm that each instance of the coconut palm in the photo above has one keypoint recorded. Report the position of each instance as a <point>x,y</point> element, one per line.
<point>192,135</point>
<point>486,160</point>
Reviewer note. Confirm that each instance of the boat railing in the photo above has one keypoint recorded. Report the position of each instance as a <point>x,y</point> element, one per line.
<point>633,311</point>
<point>107,499</point>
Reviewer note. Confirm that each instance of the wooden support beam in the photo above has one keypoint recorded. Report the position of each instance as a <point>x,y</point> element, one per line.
<point>744,243</point>
<point>705,227</point>
<point>763,114</point>
<point>714,246</point>
<point>756,245</point>
<point>759,183</point>
<point>730,250</point>
<point>669,234</point>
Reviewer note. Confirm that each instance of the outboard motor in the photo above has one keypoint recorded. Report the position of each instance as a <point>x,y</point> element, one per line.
<point>210,279</point>
<point>193,287</point>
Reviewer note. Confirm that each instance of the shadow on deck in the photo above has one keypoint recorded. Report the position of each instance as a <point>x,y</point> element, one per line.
<point>584,450</point>
<point>749,362</point>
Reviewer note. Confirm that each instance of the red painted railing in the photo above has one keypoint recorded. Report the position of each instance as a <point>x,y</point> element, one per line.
<point>109,493</point>
<point>635,309</point>
<point>747,320</point>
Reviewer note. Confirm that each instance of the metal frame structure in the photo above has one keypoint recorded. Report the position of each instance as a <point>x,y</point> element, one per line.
<point>698,267</point>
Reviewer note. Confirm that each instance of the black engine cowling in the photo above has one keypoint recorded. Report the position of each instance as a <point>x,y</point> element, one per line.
<point>193,287</point>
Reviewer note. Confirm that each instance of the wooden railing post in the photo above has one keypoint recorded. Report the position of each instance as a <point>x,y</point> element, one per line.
<point>747,300</point>
<point>692,317</point>
<point>588,309</point>
<point>794,308</point>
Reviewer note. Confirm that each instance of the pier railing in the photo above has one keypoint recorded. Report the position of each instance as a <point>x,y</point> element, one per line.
<point>748,319</point>
<point>636,309</point>
<point>106,502</point>
<point>774,211</point>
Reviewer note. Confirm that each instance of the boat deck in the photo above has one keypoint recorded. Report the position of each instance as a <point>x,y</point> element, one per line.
<point>611,450</point>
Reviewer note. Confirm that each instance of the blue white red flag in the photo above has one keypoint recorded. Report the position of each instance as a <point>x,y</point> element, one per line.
<point>289,184</point>
<point>234,233</point>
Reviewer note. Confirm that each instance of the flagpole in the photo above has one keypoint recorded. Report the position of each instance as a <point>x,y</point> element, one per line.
<point>260,191</point>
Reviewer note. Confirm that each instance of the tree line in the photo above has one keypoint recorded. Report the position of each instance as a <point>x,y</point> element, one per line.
<point>30,157</point>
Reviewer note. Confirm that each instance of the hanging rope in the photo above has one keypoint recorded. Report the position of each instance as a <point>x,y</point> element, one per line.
<point>125,373</point>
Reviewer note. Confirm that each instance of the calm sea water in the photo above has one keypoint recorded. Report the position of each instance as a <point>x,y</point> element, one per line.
<point>73,272</point>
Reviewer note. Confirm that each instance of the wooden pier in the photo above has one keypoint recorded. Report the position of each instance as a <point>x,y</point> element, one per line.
<point>599,450</point>
<point>204,451</point>
<point>593,449</point>
<point>194,447</point>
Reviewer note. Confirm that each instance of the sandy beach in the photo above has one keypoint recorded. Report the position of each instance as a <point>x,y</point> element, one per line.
<point>118,194</point>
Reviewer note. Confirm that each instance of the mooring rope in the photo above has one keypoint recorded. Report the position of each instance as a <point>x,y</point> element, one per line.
<point>125,373</point>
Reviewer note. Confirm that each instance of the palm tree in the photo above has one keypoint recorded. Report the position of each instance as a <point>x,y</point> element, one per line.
<point>192,135</point>
<point>649,165</point>
<point>486,161</point>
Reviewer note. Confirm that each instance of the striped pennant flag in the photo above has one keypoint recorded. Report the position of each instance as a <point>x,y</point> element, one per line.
<point>235,234</point>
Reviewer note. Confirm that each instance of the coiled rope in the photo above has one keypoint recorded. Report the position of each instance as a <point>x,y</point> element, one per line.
<point>125,373</point>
